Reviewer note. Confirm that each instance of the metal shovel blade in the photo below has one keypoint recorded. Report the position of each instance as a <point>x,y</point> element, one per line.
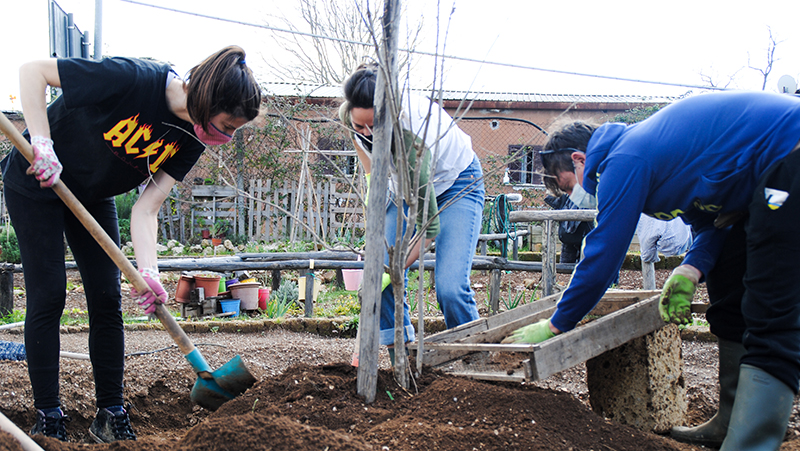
<point>227,382</point>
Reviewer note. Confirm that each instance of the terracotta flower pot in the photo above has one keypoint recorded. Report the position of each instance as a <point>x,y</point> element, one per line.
<point>210,284</point>
<point>184,289</point>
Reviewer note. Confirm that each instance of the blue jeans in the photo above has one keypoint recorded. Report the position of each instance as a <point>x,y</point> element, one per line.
<point>460,225</point>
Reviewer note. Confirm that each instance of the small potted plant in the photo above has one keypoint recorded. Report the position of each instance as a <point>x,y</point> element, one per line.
<point>204,231</point>
<point>218,231</point>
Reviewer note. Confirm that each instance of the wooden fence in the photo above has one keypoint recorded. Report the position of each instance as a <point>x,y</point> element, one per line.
<point>276,211</point>
<point>292,211</point>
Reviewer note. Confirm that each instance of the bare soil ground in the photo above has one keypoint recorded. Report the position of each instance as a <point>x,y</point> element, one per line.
<point>305,398</point>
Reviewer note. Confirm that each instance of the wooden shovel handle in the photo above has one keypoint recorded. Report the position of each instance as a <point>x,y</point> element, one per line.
<point>26,442</point>
<point>108,245</point>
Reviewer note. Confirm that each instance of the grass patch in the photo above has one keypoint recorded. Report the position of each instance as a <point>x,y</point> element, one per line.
<point>15,316</point>
<point>74,317</point>
<point>337,302</point>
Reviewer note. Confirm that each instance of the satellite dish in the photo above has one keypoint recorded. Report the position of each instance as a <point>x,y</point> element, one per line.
<point>787,85</point>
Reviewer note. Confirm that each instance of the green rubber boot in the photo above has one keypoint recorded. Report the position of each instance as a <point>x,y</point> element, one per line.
<point>712,433</point>
<point>761,412</point>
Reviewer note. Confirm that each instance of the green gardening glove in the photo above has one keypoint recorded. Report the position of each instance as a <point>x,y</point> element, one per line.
<point>675,303</point>
<point>532,333</point>
<point>385,281</point>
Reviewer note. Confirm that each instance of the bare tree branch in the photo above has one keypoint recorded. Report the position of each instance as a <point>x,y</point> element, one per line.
<point>711,78</point>
<point>767,69</point>
<point>322,61</point>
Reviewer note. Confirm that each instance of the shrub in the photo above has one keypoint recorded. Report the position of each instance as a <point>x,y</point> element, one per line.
<point>277,308</point>
<point>124,230</point>
<point>287,293</point>
<point>125,203</point>
<point>8,242</point>
<point>124,206</point>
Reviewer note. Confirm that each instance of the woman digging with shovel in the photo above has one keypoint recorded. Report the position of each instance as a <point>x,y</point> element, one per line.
<point>119,123</point>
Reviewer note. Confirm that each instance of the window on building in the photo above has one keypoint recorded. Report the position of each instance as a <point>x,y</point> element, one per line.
<point>525,165</point>
<point>336,153</point>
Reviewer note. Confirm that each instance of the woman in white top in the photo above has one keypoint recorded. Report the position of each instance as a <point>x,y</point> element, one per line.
<point>457,198</point>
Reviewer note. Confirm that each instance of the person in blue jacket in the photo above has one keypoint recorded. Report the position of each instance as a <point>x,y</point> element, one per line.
<point>727,164</point>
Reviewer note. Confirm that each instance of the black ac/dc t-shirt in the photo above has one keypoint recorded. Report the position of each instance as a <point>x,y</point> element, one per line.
<point>111,129</point>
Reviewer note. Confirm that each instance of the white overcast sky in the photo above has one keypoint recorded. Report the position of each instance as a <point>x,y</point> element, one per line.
<point>670,42</point>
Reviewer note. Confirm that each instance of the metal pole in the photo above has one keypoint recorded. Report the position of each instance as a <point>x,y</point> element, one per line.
<point>73,50</point>
<point>98,29</point>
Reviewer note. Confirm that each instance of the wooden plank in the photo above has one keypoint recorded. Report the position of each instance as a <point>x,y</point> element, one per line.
<point>552,215</point>
<point>494,328</point>
<point>488,376</point>
<point>494,291</point>
<point>266,229</point>
<point>549,258</point>
<point>436,357</point>
<point>608,306</point>
<point>648,275</point>
<point>482,324</point>
<point>482,347</point>
<point>583,343</point>
<point>253,209</point>
<point>324,204</point>
<point>275,222</point>
<point>501,236</point>
<point>213,191</point>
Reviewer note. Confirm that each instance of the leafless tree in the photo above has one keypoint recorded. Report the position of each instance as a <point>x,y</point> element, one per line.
<point>336,39</point>
<point>712,79</point>
<point>767,69</point>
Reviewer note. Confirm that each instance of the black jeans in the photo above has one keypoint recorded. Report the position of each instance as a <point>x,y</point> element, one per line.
<point>754,287</point>
<point>41,227</point>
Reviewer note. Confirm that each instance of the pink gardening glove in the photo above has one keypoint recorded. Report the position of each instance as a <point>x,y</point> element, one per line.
<point>46,167</point>
<point>156,295</point>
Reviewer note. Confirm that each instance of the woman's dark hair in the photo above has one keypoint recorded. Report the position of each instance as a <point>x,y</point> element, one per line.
<point>571,137</point>
<point>359,89</point>
<point>222,83</point>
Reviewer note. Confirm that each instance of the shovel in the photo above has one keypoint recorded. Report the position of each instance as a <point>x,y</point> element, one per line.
<point>212,388</point>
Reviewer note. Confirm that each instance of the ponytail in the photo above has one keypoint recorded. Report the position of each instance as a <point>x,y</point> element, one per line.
<point>222,83</point>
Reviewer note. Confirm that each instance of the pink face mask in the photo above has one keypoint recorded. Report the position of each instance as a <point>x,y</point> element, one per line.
<point>214,137</point>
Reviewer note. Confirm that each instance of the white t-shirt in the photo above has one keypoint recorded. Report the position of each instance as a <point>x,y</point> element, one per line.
<point>454,147</point>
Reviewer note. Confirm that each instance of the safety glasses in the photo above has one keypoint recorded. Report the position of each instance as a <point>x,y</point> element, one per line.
<point>563,149</point>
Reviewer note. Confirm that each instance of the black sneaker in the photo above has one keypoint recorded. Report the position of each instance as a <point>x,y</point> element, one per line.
<point>51,424</point>
<point>110,426</point>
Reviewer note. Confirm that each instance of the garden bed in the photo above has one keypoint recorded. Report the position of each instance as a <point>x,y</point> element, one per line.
<point>305,398</point>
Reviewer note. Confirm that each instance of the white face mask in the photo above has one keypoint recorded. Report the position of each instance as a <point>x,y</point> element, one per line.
<point>582,199</point>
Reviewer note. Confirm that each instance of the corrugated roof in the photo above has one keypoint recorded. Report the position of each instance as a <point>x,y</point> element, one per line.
<point>322,91</point>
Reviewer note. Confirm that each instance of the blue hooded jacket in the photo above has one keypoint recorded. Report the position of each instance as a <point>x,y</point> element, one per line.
<point>697,158</point>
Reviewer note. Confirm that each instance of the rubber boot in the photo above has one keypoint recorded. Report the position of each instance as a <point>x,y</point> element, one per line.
<point>761,412</point>
<point>712,433</point>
